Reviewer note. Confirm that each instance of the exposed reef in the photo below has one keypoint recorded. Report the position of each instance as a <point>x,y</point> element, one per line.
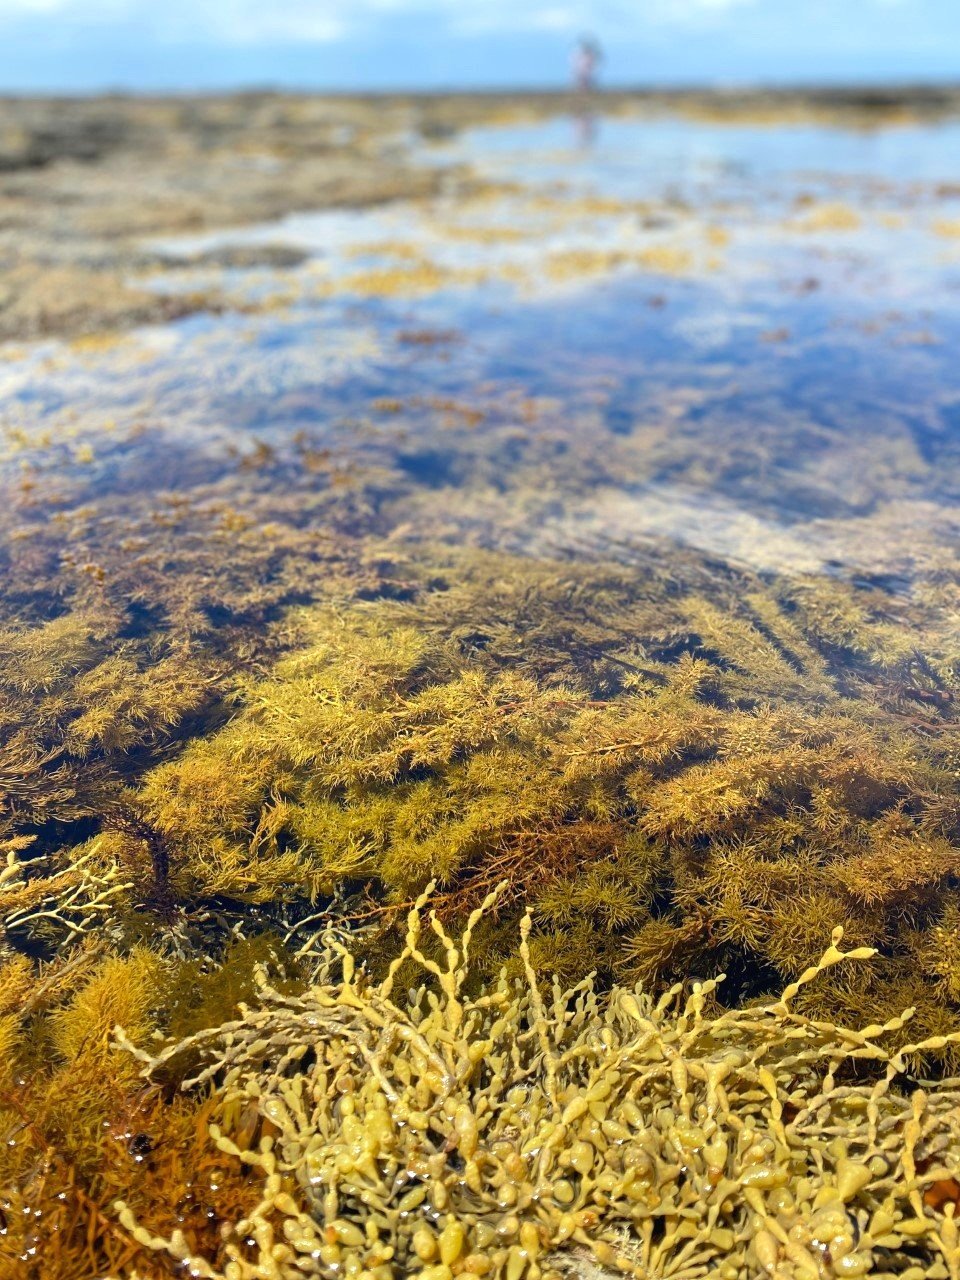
<point>83,181</point>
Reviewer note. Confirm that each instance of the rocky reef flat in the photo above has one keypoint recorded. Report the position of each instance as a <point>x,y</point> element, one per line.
<point>84,181</point>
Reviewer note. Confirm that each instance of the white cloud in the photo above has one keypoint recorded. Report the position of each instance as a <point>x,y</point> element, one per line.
<point>249,22</point>
<point>14,9</point>
<point>501,15</point>
<point>228,21</point>
<point>688,13</point>
<point>252,22</point>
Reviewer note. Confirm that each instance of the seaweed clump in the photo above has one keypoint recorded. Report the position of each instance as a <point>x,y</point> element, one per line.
<point>81,707</point>
<point>674,782</point>
<point>666,781</point>
<point>77,1127</point>
<point>517,1133</point>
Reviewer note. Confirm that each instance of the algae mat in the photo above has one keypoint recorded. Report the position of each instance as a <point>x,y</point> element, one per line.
<point>424,670</point>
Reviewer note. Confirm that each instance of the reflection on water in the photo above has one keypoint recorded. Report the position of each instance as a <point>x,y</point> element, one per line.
<point>642,157</point>
<point>586,128</point>
<point>807,409</point>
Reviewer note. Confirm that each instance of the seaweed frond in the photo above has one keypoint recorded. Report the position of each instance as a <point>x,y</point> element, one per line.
<point>436,1133</point>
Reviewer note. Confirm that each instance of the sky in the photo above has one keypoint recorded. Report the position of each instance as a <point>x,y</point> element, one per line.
<point>90,45</point>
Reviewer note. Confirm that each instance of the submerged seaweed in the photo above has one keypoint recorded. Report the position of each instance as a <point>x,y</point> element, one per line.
<point>631,694</point>
<point>668,780</point>
<point>665,775</point>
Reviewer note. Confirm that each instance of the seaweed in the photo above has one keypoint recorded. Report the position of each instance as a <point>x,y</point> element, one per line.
<point>669,772</point>
<point>79,1129</point>
<point>255,724</point>
<point>531,1130</point>
<point>729,771</point>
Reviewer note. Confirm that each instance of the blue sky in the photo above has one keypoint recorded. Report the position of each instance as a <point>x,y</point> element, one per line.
<point>82,45</point>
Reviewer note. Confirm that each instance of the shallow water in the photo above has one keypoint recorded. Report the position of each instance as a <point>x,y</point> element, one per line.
<point>592,533</point>
<point>687,316</point>
<point>642,157</point>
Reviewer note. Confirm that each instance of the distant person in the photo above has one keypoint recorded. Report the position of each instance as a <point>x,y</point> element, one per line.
<point>586,62</point>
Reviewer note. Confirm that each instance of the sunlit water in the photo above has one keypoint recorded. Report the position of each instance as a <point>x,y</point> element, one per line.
<point>718,334</point>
